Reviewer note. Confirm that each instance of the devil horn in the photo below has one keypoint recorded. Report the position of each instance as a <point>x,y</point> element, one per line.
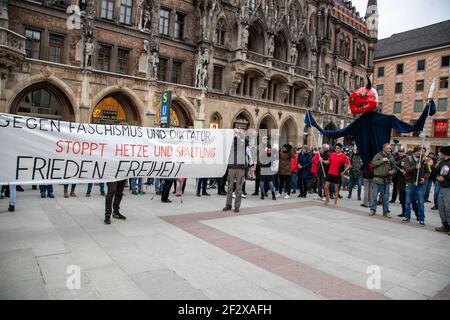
<point>369,83</point>
<point>346,92</point>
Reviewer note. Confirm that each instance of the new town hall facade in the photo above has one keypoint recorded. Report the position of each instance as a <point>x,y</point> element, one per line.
<point>254,64</point>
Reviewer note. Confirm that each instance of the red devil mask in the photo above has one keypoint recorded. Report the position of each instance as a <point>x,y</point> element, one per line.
<point>363,99</point>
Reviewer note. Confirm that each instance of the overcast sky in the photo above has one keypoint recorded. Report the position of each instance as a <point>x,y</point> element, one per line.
<point>401,15</point>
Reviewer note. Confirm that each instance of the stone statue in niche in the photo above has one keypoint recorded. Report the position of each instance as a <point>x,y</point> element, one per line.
<point>201,70</point>
<point>294,54</point>
<point>89,53</point>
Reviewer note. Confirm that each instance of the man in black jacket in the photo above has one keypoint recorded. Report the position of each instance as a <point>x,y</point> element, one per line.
<point>442,172</point>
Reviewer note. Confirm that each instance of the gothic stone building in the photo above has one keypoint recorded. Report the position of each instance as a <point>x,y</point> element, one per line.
<point>257,64</point>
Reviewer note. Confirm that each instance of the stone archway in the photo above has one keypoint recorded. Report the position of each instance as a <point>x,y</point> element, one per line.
<point>243,120</point>
<point>216,119</point>
<point>115,108</point>
<point>44,100</point>
<point>180,117</point>
<point>328,140</point>
<point>289,132</point>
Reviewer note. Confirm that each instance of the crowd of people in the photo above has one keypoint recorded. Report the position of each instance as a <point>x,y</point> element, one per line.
<point>322,172</point>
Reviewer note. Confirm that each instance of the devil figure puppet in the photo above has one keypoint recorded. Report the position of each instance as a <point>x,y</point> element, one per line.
<point>371,129</point>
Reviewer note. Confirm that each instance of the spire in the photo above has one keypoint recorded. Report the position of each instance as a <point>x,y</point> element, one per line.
<point>371,6</point>
<point>372,18</point>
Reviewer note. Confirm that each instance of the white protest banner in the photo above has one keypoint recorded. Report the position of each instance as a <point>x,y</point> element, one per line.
<point>41,151</point>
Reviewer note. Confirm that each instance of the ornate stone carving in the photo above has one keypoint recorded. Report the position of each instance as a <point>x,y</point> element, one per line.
<point>47,72</point>
<point>201,69</point>
<point>245,36</point>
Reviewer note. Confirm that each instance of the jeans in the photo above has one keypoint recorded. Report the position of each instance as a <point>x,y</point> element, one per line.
<point>428,183</point>
<point>415,193</point>
<point>294,179</point>
<point>101,185</point>
<point>355,182</point>
<point>12,195</point>
<point>46,189</point>
<point>437,188</point>
<point>133,184</point>
<point>159,184</point>
<point>202,183</point>
<point>269,183</point>
<point>384,190</point>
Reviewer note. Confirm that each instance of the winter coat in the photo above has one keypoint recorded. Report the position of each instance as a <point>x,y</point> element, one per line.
<point>285,163</point>
<point>304,160</point>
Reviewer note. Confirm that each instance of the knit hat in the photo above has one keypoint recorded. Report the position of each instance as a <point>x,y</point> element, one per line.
<point>445,151</point>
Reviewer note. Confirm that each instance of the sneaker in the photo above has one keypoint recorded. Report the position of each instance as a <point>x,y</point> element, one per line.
<point>135,193</point>
<point>372,213</point>
<point>206,194</point>
<point>198,194</point>
<point>72,194</point>
<point>66,194</point>
<point>442,229</point>
<point>422,223</point>
<point>392,201</point>
<point>401,215</point>
<point>43,195</point>
<point>287,196</point>
<point>107,220</point>
<point>359,199</point>
<point>221,193</point>
<point>227,208</point>
<point>19,188</point>
<point>427,201</point>
<point>244,196</point>
<point>51,195</point>
<point>255,193</point>
<point>278,195</point>
<point>364,205</point>
<point>118,215</point>
<point>406,220</point>
<point>434,208</point>
<point>88,194</point>
<point>387,215</point>
<point>166,201</point>
<point>11,208</point>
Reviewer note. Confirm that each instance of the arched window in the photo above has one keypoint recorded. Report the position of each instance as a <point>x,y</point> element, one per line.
<point>341,45</point>
<point>43,100</point>
<point>220,32</point>
<point>281,47</point>
<point>256,41</point>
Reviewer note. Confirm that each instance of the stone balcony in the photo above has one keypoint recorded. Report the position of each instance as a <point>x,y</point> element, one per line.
<point>12,50</point>
<point>278,65</point>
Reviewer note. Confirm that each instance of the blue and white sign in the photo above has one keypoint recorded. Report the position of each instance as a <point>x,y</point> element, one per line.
<point>165,109</point>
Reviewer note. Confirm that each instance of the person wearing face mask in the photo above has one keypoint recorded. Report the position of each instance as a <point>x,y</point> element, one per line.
<point>384,168</point>
<point>355,174</point>
<point>236,171</point>
<point>442,172</point>
<point>267,173</point>
<point>416,166</point>
<point>286,154</point>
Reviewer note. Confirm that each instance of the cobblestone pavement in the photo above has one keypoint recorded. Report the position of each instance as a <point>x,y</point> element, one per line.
<point>189,249</point>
